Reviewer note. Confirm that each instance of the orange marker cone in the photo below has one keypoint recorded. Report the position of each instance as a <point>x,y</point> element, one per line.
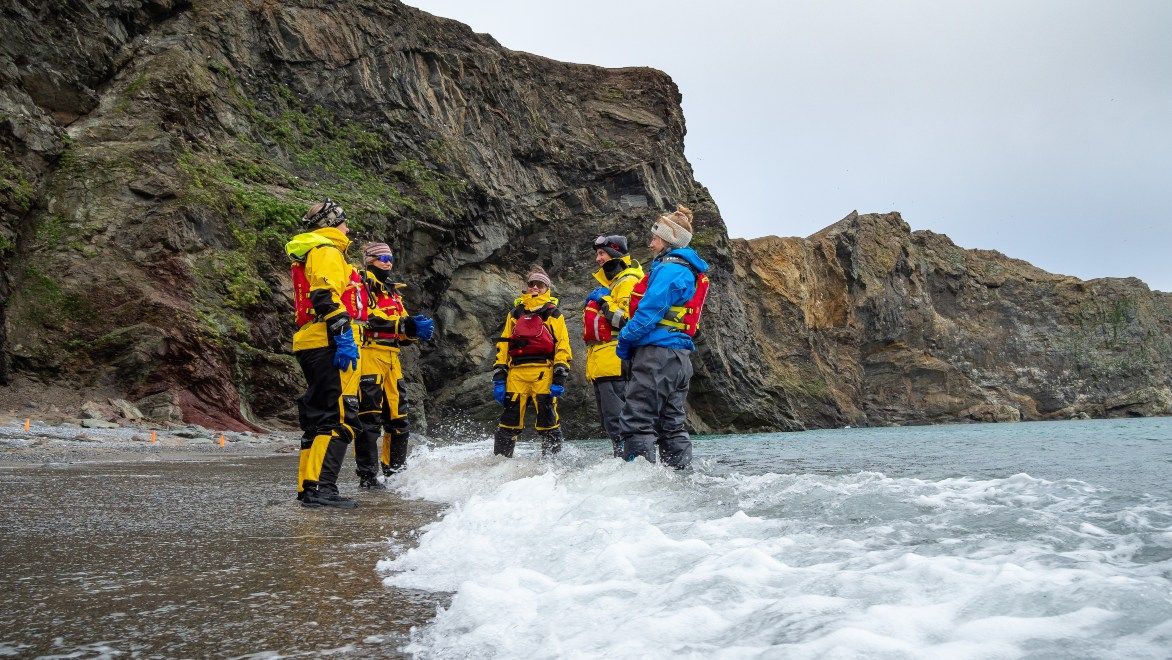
<point>222,441</point>
<point>27,423</point>
<point>154,437</point>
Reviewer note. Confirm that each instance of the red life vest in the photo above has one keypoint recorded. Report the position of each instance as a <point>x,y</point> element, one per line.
<point>354,297</point>
<point>531,337</point>
<point>595,327</point>
<point>680,318</point>
<point>390,303</point>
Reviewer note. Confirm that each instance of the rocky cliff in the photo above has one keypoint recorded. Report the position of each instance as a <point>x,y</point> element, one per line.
<point>890,326</point>
<point>156,155</point>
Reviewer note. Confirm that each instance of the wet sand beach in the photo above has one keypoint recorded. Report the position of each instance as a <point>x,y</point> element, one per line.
<point>197,554</point>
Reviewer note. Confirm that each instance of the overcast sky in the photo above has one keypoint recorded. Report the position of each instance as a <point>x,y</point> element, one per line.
<point>1040,129</point>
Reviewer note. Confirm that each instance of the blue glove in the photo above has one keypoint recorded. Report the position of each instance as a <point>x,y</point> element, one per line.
<point>597,294</point>
<point>498,391</point>
<point>346,355</point>
<point>623,350</point>
<point>424,327</point>
<point>557,390</point>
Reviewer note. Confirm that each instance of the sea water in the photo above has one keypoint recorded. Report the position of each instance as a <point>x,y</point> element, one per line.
<point>980,541</point>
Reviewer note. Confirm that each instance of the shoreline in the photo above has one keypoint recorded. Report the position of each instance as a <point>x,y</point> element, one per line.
<point>68,442</point>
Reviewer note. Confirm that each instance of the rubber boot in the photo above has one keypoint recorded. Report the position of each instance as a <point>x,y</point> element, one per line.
<point>399,445</point>
<point>369,482</point>
<point>504,442</point>
<point>551,442</point>
<point>326,496</point>
<point>366,457</point>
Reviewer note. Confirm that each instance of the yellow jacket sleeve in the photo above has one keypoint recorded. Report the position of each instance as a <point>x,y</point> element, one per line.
<point>502,348</point>
<point>620,295</point>
<point>328,275</point>
<point>561,338</point>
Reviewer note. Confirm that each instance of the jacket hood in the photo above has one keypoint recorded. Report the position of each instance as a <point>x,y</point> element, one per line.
<point>533,302</point>
<point>689,255</point>
<point>301,244</point>
<point>628,263</point>
<point>335,236</point>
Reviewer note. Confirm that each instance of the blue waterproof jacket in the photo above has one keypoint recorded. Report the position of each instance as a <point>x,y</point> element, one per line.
<point>668,284</point>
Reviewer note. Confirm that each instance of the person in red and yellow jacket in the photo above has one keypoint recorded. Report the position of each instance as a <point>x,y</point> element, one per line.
<point>604,316</point>
<point>532,364</point>
<point>382,392</point>
<point>328,302</point>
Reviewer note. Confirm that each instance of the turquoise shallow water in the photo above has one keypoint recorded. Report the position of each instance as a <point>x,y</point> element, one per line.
<point>1130,456</point>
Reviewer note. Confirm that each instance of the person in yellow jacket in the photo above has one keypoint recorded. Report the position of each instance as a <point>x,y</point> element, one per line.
<point>604,317</point>
<point>382,393</point>
<point>532,364</point>
<point>327,302</point>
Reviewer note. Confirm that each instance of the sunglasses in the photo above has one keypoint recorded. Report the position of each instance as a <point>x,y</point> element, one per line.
<point>539,285</point>
<point>385,259</point>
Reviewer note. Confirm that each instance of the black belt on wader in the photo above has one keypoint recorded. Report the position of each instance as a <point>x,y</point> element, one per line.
<point>383,338</point>
<point>531,359</point>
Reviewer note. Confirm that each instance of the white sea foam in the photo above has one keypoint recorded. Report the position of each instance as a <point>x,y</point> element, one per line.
<point>586,557</point>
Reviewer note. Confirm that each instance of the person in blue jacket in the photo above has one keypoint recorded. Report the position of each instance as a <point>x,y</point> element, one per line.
<point>657,344</point>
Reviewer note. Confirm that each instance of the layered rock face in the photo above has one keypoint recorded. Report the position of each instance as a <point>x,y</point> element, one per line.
<point>892,326</point>
<point>157,155</point>
<point>164,152</point>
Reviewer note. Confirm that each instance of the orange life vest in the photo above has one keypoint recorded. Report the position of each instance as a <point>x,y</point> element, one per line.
<point>354,297</point>
<point>679,318</point>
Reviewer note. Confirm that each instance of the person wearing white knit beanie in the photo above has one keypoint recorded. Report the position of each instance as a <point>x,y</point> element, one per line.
<point>657,344</point>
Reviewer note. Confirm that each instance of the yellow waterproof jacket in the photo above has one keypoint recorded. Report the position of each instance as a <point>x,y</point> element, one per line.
<point>329,275</point>
<point>601,361</point>
<point>556,322</point>
<point>384,317</point>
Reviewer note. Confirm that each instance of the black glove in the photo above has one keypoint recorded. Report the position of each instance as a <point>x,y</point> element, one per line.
<point>560,373</point>
<point>500,373</point>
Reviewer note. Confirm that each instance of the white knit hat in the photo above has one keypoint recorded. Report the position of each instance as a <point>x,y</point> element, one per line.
<point>675,228</point>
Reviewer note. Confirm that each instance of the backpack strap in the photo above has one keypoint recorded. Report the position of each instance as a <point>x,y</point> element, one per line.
<point>620,278</point>
<point>673,259</point>
<point>545,311</point>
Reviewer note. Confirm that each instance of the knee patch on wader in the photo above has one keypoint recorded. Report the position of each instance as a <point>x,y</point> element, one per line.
<point>351,424</point>
<point>401,407</point>
<point>547,412</point>
<point>370,396</point>
<point>512,417</point>
<point>398,425</point>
